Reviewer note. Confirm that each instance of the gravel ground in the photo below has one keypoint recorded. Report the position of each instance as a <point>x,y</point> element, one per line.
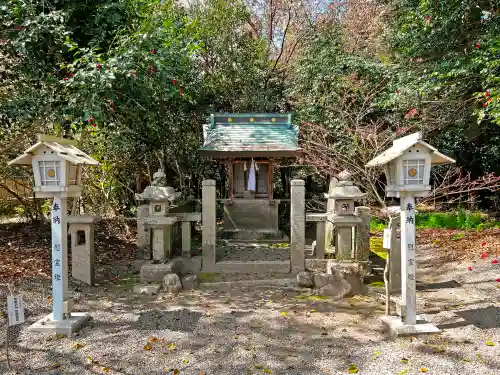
<point>236,330</point>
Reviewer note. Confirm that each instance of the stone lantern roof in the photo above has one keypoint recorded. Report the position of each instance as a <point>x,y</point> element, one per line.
<point>345,189</point>
<point>158,191</point>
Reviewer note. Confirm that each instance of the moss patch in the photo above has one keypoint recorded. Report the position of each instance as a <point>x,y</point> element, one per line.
<point>376,247</point>
<point>208,277</point>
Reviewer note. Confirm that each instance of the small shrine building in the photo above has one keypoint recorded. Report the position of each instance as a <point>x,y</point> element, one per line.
<point>251,144</point>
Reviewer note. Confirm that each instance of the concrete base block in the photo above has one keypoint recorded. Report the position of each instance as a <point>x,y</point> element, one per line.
<point>150,290</point>
<point>398,328</point>
<point>151,273</point>
<point>65,327</point>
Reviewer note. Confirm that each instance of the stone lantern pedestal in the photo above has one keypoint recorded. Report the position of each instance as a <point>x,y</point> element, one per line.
<point>161,236</point>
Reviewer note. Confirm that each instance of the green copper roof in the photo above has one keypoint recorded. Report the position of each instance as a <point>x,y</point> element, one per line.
<point>250,133</point>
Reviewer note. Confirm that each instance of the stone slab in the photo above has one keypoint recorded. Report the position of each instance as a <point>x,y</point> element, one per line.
<point>253,267</point>
<point>316,216</point>
<point>156,272</point>
<point>83,219</point>
<point>150,289</point>
<point>65,327</point>
<point>159,221</point>
<point>397,328</point>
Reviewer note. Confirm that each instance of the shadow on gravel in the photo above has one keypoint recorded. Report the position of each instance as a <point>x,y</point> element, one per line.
<point>484,318</point>
<point>440,285</point>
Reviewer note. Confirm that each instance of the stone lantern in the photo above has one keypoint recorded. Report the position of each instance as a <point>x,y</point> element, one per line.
<point>159,197</point>
<point>345,194</point>
<point>57,168</point>
<point>407,166</point>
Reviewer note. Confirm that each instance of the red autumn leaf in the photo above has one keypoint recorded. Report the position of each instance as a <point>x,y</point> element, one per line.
<point>94,124</point>
<point>98,66</point>
<point>70,75</point>
<point>398,92</point>
<point>486,93</point>
<point>484,105</point>
<point>483,256</point>
<point>65,78</point>
<point>153,51</point>
<point>174,82</point>
<point>498,280</point>
<point>494,261</point>
<point>180,92</point>
<point>411,113</point>
<point>477,45</point>
<point>469,268</point>
<point>91,119</point>
<point>483,243</point>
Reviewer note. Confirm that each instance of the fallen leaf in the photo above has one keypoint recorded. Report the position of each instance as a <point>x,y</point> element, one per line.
<point>404,360</point>
<point>176,371</point>
<point>489,343</point>
<point>469,268</point>
<point>171,346</point>
<point>267,371</point>
<point>260,367</point>
<point>148,347</point>
<point>352,369</point>
<point>56,365</point>
<point>423,369</point>
<point>77,345</point>
<point>283,313</point>
<point>152,339</point>
<point>313,310</point>
<point>483,244</point>
<point>376,354</point>
<point>494,261</point>
<point>403,372</point>
<point>60,336</point>
<point>185,361</point>
<point>483,256</point>
<point>106,369</point>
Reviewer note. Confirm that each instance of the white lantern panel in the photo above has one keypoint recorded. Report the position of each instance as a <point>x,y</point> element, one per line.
<point>413,171</point>
<point>50,172</point>
<point>73,174</point>
<point>392,173</point>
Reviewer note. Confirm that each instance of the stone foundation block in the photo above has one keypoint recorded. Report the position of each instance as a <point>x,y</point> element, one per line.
<point>172,283</point>
<point>149,290</point>
<point>156,272</point>
<point>305,279</point>
<point>190,282</point>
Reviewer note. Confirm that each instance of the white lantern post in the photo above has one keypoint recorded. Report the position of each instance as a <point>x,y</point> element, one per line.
<point>57,165</point>
<point>407,166</point>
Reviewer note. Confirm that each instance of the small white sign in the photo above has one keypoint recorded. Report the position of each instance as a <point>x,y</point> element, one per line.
<point>387,239</point>
<point>15,309</point>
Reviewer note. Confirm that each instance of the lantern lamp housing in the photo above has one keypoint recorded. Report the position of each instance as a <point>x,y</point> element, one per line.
<point>57,166</point>
<point>407,166</point>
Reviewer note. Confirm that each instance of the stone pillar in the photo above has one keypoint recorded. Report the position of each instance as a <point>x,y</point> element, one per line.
<point>330,206</point>
<point>344,243</point>
<point>395,256</point>
<point>209,228</point>
<point>81,229</point>
<point>363,234</point>
<point>143,233</point>
<point>59,257</point>
<point>186,238</point>
<point>297,225</point>
<point>320,239</point>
